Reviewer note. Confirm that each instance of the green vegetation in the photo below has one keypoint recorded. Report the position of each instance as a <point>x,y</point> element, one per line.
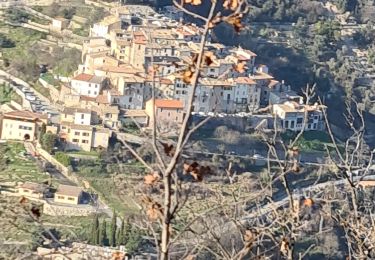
<point>15,166</point>
<point>310,140</point>
<point>127,235</point>
<point>67,63</point>
<point>42,90</point>
<point>5,42</point>
<point>72,228</point>
<point>50,79</point>
<point>48,142</point>
<point>7,94</point>
<point>21,59</point>
<point>98,174</point>
<point>84,32</point>
<point>63,158</point>
<point>93,14</point>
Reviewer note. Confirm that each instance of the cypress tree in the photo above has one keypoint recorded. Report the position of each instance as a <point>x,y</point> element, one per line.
<point>126,232</point>
<point>112,235</point>
<point>42,132</point>
<point>103,234</point>
<point>94,231</point>
<point>119,234</point>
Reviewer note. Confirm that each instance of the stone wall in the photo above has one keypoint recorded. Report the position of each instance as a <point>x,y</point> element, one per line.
<point>62,210</point>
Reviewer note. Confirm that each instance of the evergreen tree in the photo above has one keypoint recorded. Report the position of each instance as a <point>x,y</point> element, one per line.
<point>103,239</point>
<point>112,235</point>
<point>94,236</point>
<point>42,132</point>
<point>119,234</point>
<point>126,232</point>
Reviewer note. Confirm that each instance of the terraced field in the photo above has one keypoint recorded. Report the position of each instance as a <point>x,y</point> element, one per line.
<point>16,166</point>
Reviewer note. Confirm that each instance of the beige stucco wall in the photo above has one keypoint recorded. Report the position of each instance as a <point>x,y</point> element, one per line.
<point>77,140</point>
<point>100,139</point>
<point>29,193</point>
<point>15,130</point>
<point>66,199</point>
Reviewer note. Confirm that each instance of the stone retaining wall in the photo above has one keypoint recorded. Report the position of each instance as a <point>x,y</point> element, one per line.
<point>62,210</point>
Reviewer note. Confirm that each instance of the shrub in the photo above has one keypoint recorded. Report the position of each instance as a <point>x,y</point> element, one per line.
<point>63,158</point>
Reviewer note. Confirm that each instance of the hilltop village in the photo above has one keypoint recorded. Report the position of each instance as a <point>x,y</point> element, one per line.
<point>129,56</point>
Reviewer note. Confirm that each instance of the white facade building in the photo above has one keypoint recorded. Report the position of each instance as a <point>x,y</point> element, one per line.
<point>87,85</point>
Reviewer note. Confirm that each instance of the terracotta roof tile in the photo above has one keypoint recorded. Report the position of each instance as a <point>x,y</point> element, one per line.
<point>83,77</point>
<point>168,103</point>
<point>102,99</point>
<point>25,114</point>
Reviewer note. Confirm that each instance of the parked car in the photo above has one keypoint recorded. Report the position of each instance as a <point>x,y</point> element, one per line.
<point>25,89</point>
<point>30,97</point>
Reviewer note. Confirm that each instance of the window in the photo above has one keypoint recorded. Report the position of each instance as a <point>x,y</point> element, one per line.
<point>71,198</point>
<point>314,126</point>
<point>82,116</point>
<point>299,120</point>
<point>85,141</point>
<point>75,140</point>
<point>286,124</point>
<point>292,124</point>
<point>76,133</point>
<point>130,99</point>
<point>85,134</point>
<point>60,197</point>
<point>89,92</point>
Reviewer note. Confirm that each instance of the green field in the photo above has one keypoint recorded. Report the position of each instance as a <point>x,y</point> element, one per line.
<point>15,166</point>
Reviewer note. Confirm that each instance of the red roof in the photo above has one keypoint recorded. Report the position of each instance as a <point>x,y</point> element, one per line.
<point>168,103</point>
<point>102,99</point>
<point>83,77</point>
<point>25,114</point>
<point>87,98</point>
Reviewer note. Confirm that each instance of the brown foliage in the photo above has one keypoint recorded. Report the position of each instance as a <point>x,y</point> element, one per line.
<point>154,209</point>
<point>231,4</point>
<point>240,67</point>
<point>169,149</point>
<point>193,2</point>
<point>196,171</point>
<point>152,178</point>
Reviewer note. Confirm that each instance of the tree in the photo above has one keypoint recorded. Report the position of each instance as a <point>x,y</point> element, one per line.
<point>112,234</point>
<point>103,234</point>
<point>48,142</point>
<point>42,132</point>
<point>5,42</point>
<point>63,158</point>
<point>119,234</point>
<point>135,238</point>
<point>94,236</point>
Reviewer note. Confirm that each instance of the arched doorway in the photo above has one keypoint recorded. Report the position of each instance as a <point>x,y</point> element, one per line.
<point>26,137</point>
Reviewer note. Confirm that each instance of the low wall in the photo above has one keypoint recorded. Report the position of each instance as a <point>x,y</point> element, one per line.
<point>54,93</point>
<point>42,26</point>
<point>62,210</point>
<point>98,4</point>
